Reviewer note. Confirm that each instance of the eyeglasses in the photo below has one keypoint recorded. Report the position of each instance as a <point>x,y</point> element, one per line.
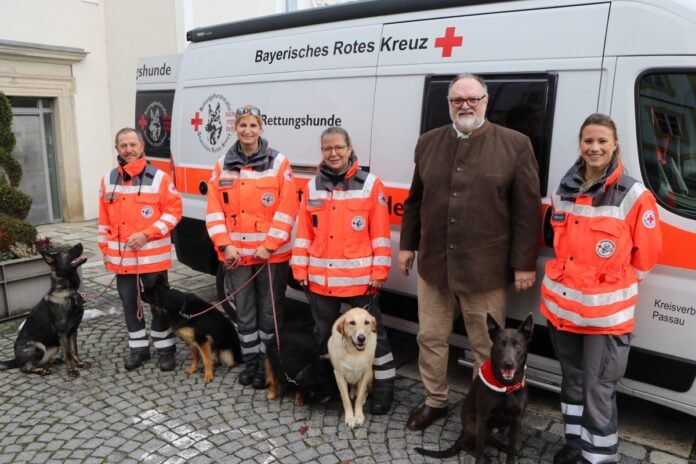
<point>252,111</point>
<point>338,148</point>
<point>473,102</point>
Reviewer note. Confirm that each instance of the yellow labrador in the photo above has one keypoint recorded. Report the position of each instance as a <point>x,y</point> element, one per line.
<point>352,350</point>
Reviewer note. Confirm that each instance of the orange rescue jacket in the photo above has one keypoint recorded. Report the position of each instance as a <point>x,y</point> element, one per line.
<point>137,197</point>
<point>606,240</point>
<point>343,241</point>
<point>252,205</point>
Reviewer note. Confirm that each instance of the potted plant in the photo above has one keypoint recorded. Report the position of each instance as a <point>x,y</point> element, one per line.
<point>23,272</point>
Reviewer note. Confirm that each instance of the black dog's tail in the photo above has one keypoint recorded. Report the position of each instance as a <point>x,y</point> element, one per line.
<point>448,453</point>
<point>9,364</point>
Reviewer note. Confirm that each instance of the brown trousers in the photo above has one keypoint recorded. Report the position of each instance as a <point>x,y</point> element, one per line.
<point>436,314</point>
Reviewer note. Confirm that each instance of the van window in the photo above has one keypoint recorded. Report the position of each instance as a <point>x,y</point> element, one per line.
<point>153,119</point>
<point>667,137</point>
<point>521,102</point>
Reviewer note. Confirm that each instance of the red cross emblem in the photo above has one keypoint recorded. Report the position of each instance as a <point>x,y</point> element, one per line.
<point>142,122</point>
<point>649,220</point>
<point>196,121</point>
<point>448,42</point>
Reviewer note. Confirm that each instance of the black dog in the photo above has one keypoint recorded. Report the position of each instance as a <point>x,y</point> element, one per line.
<point>498,396</point>
<point>207,332</point>
<point>53,322</point>
<point>298,367</point>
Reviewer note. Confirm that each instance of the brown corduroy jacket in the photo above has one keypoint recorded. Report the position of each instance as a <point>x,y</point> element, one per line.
<point>473,212</point>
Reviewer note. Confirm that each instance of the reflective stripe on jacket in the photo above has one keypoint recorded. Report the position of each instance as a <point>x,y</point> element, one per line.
<point>147,203</point>
<point>252,207</point>
<point>343,235</point>
<point>605,244</point>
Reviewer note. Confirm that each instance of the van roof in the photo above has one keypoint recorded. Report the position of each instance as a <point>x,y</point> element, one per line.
<point>327,14</point>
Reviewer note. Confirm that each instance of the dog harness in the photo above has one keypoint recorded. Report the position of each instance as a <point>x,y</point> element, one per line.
<point>486,375</point>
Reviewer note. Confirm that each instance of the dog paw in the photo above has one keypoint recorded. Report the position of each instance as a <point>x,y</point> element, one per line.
<point>271,395</point>
<point>83,365</point>
<point>73,373</point>
<point>350,421</point>
<point>190,370</point>
<point>359,419</point>
<point>207,378</point>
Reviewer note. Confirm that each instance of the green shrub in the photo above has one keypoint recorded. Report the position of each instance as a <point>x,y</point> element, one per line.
<point>15,205</point>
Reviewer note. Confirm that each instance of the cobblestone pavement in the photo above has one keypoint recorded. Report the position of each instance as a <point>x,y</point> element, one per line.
<point>109,414</point>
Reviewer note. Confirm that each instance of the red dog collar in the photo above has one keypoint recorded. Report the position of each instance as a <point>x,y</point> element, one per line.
<point>486,375</point>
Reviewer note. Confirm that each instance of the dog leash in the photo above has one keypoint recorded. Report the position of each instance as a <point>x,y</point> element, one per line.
<point>228,298</point>
<point>275,323</point>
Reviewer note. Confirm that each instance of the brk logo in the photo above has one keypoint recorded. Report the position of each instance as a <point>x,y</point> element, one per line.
<point>213,123</point>
<point>155,124</point>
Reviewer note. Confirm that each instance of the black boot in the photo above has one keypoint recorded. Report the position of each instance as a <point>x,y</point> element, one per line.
<point>381,402</point>
<point>259,381</point>
<point>167,361</point>
<point>136,358</point>
<point>567,455</point>
<point>247,375</point>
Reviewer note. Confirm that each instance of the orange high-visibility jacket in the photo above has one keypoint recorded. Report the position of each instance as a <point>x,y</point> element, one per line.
<point>254,206</point>
<point>148,202</point>
<point>342,238</point>
<point>606,241</point>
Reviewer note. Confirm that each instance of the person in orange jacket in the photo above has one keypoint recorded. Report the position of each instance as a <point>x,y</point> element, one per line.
<point>606,238</point>
<point>138,208</point>
<point>252,204</point>
<point>342,250</point>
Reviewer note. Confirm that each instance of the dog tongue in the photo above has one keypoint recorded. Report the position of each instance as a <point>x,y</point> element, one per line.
<point>508,373</point>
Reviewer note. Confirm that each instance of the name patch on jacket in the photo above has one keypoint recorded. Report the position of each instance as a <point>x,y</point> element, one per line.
<point>226,182</point>
<point>558,216</point>
<point>315,202</point>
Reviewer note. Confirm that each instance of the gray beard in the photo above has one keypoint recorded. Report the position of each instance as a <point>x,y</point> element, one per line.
<point>469,125</point>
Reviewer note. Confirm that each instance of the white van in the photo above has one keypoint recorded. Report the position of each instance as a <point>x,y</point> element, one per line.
<point>380,69</point>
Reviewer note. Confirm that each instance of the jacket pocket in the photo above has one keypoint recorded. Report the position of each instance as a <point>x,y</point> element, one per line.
<point>358,249</point>
<point>147,207</point>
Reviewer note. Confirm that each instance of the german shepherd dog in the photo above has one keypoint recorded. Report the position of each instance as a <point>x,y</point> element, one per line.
<point>209,335</point>
<point>497,398</point>
<point>53,321</point>
<point>298,367</point>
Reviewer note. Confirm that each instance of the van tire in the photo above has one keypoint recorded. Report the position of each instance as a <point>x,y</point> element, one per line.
<point>223,291</point>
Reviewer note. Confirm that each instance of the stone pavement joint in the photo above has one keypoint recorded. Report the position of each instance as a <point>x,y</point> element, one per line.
<point>109,414</point>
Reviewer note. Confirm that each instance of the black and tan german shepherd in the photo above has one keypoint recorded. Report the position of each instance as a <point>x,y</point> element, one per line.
<point>298,367</point>
<point>496,404</point>
<point>53,321</point>
<point>209,334</point>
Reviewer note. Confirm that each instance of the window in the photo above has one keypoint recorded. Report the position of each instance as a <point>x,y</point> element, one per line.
<point>521,102</point>
<point>666,122</point>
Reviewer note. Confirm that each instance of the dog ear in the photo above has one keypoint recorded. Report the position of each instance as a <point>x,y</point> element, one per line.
<point>373,324</point>
<point>493,326</point>
<point>527,326</point>
<point>339,325</point>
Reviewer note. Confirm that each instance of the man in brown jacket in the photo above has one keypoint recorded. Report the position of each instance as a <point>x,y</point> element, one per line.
<point>473,213</point>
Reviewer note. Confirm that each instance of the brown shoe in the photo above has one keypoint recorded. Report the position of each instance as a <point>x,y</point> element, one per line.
<point>423,417</point>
